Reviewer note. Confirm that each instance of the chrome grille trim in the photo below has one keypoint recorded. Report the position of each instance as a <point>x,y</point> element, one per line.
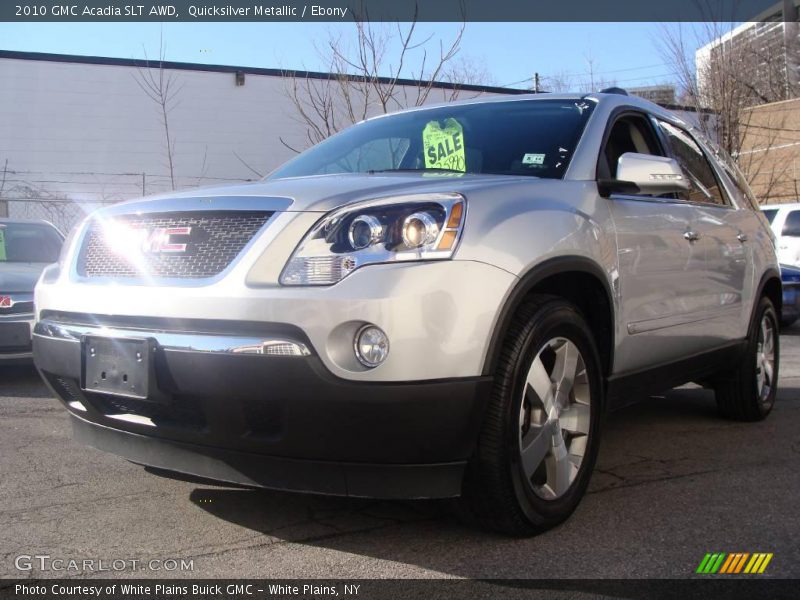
<point>215,241</point>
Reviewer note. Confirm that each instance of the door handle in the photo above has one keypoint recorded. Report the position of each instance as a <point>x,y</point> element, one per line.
<point>691,236</point>
<point>742,237</point>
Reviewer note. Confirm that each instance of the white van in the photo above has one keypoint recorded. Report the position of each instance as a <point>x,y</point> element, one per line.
<point>785,222</point>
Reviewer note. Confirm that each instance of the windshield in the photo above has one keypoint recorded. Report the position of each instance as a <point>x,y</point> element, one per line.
<point>520,137</point>
<point>29,242</point>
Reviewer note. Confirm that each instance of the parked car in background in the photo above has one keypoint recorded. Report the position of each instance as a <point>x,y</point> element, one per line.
<point>785,222</point>
<point>26,247</point>
<point>440,302</point>
<point>790,276</point>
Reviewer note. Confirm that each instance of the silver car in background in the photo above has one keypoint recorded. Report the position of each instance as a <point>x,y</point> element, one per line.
<point>26,248</point>
<point>437,303</point>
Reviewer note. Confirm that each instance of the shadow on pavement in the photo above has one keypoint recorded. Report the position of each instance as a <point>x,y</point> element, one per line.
<point>654,441</point>
<point>22,380</point>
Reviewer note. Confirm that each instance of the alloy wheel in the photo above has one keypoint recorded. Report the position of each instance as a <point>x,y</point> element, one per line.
<point>554,419</point>
<point>765,358</point>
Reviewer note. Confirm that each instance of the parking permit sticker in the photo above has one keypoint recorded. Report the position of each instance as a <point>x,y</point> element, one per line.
<point>2,244</point>
<point>533,159</point>
<point>444,146</point>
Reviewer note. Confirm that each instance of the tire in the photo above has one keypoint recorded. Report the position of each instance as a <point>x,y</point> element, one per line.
<point>514,492</point>
<point>747,393</point>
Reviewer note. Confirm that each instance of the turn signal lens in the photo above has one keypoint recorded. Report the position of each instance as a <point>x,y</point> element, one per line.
<point>455,216</point>
<point>450,235</point>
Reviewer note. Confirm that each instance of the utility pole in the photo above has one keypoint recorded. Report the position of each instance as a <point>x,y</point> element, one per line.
<point>3,203</point>
<point>791,48</point>
<point>536,88</point>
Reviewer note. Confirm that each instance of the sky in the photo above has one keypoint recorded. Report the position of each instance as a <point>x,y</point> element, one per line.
<point>551,49</point>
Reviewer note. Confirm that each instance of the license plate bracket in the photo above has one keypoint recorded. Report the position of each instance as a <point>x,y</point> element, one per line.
<point>118,366</point>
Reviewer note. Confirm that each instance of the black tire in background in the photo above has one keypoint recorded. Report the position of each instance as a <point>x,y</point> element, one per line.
<point>499,492</point>
<point>747,392</point>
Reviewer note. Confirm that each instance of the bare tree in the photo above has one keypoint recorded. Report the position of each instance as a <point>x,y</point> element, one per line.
<point>587,81</point>
<point>162,88</point>
<point>723,82</point>
<point>386,68</point>
<point>581,82</point>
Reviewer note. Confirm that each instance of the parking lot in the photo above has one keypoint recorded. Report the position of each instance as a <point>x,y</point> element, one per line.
<point>673,482</point>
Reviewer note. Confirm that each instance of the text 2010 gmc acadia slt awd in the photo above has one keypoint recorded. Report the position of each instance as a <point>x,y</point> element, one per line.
<point>436,303</point>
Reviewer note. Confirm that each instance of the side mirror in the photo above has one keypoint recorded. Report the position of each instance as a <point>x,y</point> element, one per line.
<point>645,174</point>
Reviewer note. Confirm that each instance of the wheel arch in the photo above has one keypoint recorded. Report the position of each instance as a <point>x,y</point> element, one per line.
<point>575,278</point>
<point>771,287</point>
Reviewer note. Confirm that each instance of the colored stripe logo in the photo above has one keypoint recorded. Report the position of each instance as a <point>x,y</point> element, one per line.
<point>734,563</point>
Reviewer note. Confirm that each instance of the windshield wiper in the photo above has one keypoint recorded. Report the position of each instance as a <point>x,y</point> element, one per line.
<point>415,170</point>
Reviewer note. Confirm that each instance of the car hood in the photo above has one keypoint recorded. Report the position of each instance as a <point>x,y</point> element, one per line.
<point>320,193</point>
<point>19,277</point>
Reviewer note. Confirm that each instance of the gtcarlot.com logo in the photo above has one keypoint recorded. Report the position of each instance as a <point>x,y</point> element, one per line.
<point>45,562</point>
<point>734,563</point>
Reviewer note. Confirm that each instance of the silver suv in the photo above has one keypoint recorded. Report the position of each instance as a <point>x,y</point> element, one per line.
<point>437,303</point>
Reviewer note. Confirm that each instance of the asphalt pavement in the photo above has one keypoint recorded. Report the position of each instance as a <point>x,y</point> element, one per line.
<point>673,482</point>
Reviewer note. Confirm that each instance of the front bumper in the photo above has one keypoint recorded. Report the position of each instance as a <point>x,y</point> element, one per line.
<point>439,316</point>
<point>276,421</point>
<point>15,337</point>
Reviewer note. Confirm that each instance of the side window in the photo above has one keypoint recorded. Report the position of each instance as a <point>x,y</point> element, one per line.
<point>791,227</point>
<point>630,133</point>
<point>770,214</point>
<point>705,187</point>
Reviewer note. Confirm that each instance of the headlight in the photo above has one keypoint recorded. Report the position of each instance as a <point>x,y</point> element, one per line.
<point>51,273</point>
<point>415,227</point>
<point>66,247</point>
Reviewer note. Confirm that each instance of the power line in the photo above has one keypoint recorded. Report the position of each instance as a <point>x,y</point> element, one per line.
<point>591,73</point>
<point>527,79</point>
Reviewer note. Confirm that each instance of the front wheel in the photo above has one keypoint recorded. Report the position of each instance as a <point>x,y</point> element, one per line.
<point>539,442</point>
<point>747,393</point>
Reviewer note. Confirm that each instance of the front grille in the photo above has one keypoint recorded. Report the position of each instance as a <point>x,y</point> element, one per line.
<point>19,308</point>
<point>179,412</point>
<point>214,241</point>
<point>66,388</point>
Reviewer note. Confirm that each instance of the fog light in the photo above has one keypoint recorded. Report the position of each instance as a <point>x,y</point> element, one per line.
<point>371,345</point>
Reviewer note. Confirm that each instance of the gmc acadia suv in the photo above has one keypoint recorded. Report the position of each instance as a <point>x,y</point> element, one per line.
<point>437,303</point>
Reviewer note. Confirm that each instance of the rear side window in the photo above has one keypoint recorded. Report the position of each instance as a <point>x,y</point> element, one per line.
<point>770,214</point>
<point>705,187</point>
<point>791,227</point>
